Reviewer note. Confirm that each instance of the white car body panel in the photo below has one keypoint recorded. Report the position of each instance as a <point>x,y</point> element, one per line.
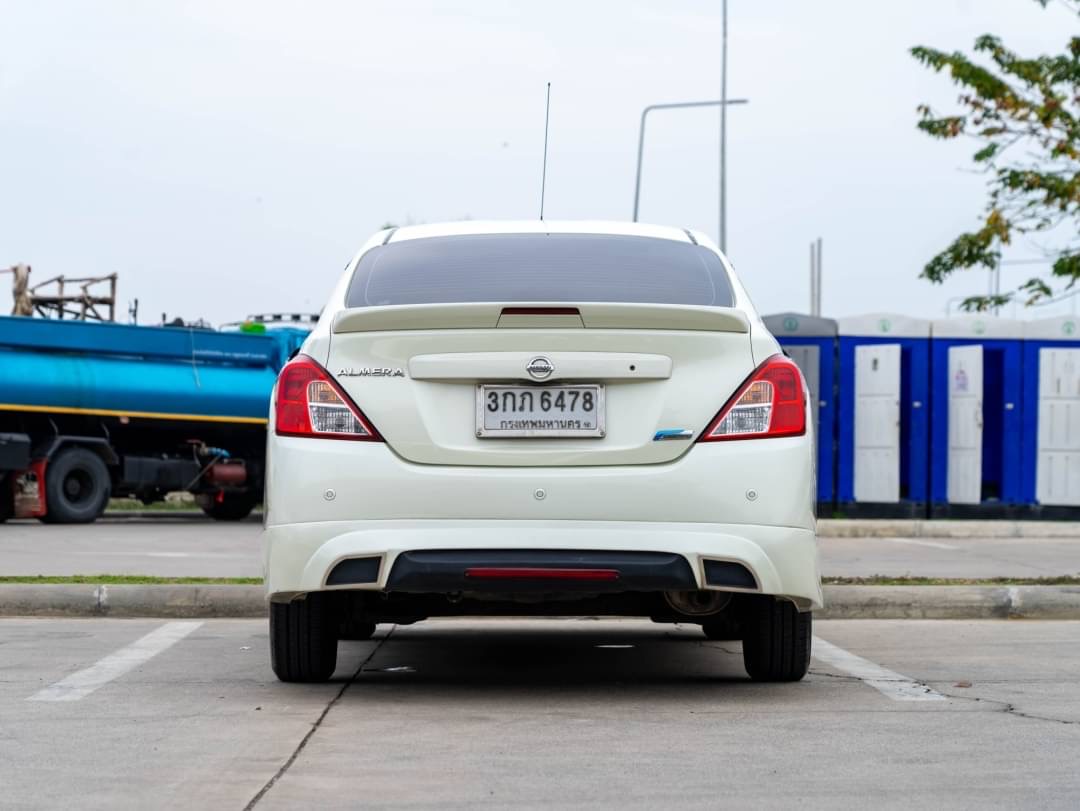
<point>435,485</point>
<point>697,506</point>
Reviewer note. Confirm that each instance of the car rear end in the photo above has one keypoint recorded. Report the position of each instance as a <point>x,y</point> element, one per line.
<point>540,418</point>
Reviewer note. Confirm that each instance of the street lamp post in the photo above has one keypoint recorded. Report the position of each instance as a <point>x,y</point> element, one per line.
<point>723,135</point>
<point>722,104</point>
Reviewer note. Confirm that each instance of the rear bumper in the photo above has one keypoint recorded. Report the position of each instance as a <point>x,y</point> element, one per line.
<point>300,558</point>
<point>536,571</point>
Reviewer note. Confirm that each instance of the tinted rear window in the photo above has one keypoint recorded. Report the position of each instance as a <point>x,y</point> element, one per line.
<point>539,267</point>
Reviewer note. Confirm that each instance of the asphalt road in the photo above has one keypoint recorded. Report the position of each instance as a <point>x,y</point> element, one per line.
<point>201,548</point>
<point>570,713</point>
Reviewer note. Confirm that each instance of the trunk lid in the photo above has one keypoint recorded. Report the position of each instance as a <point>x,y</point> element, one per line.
<point>414,370</point>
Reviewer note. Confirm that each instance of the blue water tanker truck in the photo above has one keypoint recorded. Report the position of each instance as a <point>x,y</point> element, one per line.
<point>92,410</point>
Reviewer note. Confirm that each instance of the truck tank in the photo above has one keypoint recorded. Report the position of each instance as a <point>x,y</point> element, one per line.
<point>159,409</point>
<point>119,370</point>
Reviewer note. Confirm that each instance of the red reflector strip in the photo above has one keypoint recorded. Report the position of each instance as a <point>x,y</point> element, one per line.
<point>525,573</point>
<point>540,311</point>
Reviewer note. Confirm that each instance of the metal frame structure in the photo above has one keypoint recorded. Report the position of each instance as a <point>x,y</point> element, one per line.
<point>81,306</point>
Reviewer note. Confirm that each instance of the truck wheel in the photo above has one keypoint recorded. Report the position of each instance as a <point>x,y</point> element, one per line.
<point>776,641</point>
<point>233,507</point>
<point>303,639</point>
<point>77,487</point>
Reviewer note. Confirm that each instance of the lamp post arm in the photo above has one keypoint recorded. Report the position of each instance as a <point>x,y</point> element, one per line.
<point>641,135</point>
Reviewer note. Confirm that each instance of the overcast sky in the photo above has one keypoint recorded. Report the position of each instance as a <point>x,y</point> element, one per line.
<point>227,158</point>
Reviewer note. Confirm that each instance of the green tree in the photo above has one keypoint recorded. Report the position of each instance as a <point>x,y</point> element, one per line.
<point>1025,112</point>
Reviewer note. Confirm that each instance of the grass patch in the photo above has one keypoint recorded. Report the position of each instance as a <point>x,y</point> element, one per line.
<point>134,505</point>
<point>130,580</point>
<point>882,580</point>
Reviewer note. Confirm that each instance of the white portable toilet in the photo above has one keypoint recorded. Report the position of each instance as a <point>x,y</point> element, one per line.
<point>1051,435</point>
<point>883,430</point>
<point>975,426</point>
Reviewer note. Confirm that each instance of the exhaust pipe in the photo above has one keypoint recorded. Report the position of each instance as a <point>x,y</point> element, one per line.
<point>697,603</point>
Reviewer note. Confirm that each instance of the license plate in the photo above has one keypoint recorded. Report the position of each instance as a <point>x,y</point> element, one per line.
<point>540,411</point>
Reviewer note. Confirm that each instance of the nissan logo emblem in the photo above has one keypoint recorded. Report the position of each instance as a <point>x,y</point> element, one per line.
<point>540,368</point>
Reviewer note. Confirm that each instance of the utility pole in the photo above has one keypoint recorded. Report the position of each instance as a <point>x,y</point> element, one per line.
<point>723,134</point>
<point>997,286</point>
<point>815,278</point>
<point>817,302</point>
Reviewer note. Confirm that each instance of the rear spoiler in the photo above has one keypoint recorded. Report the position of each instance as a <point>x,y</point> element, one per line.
<point>487,315</point>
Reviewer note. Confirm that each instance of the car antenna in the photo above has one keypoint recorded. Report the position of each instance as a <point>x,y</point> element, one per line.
<point>543,174</point>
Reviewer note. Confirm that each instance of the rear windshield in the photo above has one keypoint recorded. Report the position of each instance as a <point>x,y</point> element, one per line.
<point>540,267</point>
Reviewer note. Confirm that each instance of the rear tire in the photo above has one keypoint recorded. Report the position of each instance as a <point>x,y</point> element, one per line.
<point>776,640</point>
<point>232,507</point>
<point>77,487</point>
<point>303,639</point>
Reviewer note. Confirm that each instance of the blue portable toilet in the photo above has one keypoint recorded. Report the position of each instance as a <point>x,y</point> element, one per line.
<point>883,420</point>
<point>1050,469</point>
<point>975,416</point>
<point>811,342</point>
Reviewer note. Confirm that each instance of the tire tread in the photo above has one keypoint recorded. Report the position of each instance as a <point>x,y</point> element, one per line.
<point>303,641</point>
<point>58,510</point>
<point>776,641</point>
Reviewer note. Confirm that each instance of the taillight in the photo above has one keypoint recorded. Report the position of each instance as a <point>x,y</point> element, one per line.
<point>772,402</point>
<point>310,403</point>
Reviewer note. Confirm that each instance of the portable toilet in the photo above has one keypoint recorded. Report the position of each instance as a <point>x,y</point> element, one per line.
<point>811,342</point>
<point>975,413</point>
<point>1050,469</point>
<point>883,424</point>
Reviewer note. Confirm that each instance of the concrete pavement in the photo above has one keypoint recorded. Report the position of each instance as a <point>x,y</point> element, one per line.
<point>979,557</point>
<point>566,713</point>
<point>166,547</point>
<point>172,547</point>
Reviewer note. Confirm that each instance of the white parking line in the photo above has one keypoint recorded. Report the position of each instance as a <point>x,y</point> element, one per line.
<point>81,684</point>
<point>885,681</point>
<point>916,542</point>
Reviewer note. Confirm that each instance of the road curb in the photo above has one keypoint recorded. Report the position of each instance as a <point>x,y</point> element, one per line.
<point>841,602</point>
<point>952,602</point>
<point>924,528</point>
<point>166,601</point>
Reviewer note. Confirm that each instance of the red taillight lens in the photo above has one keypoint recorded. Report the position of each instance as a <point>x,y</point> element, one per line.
<point>772,402</point>
<point>533,573</point>
<point>310,403</point>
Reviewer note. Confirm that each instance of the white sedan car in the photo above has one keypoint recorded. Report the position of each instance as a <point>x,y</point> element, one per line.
<point>550,418</point>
